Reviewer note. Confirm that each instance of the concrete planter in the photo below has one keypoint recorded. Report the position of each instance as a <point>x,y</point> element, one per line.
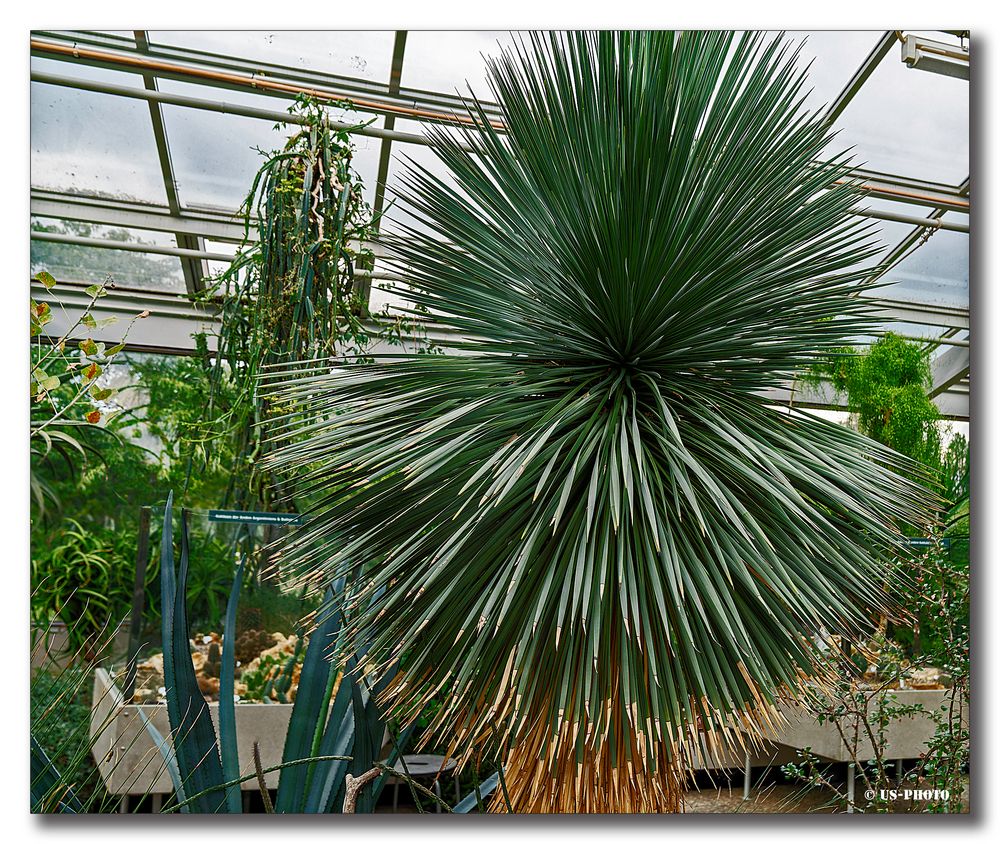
<point>50,647</point>
<point>905,737</point>
<point>129,761</point>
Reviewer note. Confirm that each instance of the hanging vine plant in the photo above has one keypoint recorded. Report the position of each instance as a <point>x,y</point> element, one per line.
<point>296,290</point>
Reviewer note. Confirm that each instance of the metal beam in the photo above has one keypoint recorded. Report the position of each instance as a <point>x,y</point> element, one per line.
<point>911,240</point>
<point>205,222</point>
<point>947,369</point>
<point>882,186</point>
<point>953,404</point>
<point>219,106</point>
<point>874,58</point>
<point>169,328</point>
<point>126,246</point>
<point>416,98</point>
<point>174,319</point>
<point>913,184</point>
<point>912,220</point>
<point>172,322</point>
<point>920,313</point>
<point>908,312</point>
<point>395,75</point>
<point>215,225</point>
<point>222,225</point>
<point>175,251</point>
<point>194,270</point>
<point>935,56</point>
<point>385,151</point>
<point>202,74</point>
<point>878,185</point>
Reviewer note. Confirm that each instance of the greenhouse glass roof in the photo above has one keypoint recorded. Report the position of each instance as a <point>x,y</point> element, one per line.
<point>144,144</point>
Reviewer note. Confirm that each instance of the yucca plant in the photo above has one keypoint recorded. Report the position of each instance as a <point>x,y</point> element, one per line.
<point>586,522</point>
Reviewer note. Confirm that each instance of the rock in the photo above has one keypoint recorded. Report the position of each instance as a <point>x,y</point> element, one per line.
<point>208,685</point>
<point>154,663</point>
<point>930,677</point>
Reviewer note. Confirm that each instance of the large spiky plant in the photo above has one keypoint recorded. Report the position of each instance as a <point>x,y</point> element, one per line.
<point>586,524</point>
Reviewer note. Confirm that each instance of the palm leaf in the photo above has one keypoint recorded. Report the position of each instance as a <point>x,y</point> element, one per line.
<point>587,522</point>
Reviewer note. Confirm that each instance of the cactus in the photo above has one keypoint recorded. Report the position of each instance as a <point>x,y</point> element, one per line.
<point>213,661</point>
<point>250,644</point>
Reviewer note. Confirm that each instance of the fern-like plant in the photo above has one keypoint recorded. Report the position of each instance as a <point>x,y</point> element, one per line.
<point>586,521</point>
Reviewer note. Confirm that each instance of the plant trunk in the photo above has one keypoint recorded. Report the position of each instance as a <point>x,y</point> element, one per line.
<point>600,781</point>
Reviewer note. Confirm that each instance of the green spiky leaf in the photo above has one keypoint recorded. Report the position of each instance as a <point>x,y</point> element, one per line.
<point>588,514</point>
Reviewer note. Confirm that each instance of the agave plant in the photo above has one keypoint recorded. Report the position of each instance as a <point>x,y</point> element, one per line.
<point>336,726</point>
<point>586,521</point>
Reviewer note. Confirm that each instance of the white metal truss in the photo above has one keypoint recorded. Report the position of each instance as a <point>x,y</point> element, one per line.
<point>922,204</point>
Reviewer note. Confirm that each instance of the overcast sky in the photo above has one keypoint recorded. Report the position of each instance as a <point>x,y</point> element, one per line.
<point>903,121</point>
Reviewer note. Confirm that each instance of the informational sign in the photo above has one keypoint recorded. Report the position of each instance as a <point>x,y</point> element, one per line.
<point>921,542</point>
<point>250,517</point>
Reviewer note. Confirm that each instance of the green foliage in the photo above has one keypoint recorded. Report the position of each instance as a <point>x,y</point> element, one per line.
<point>69,390</point>
<point>348,722</point>
<point>336,725</point>
<point>104,475</point>
<point>590,518</point>
<point>270,680</point>
<point>176,415</point>
<point>886,388</point>
<point>64,777</point>
<point>85,578</point>
<point>84,575</point>
<point>60,713</point>
<point>955,480</point>
<point>209,580</point>
<point>263,607</point>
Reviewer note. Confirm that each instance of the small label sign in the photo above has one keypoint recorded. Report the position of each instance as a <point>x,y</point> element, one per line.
<point>252,518</point>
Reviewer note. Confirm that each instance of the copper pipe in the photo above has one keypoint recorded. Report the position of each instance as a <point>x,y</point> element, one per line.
<point>948,54</point>
<point>149,65</point>
<point>920,197</point>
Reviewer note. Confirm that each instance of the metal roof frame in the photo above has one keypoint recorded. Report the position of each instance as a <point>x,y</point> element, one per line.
<point>192,226</point>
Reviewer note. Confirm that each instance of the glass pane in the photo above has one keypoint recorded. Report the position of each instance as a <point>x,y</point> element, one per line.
<point>910,122</point>
<point>914,330</point>
<point>220,248</point>
<point>834,55</point>
<point>400,162</point>
<point>889,234</point>
<point>82,71</point>
<point>447,61</point>
<point>365,54</point>
<point>215,156</point>
<point>386,293</point>
<point>937,272</point>
<point>128,270</point>
<point>93,143</point>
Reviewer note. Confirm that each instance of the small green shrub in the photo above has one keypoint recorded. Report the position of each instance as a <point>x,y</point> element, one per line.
<point>84,576</point>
